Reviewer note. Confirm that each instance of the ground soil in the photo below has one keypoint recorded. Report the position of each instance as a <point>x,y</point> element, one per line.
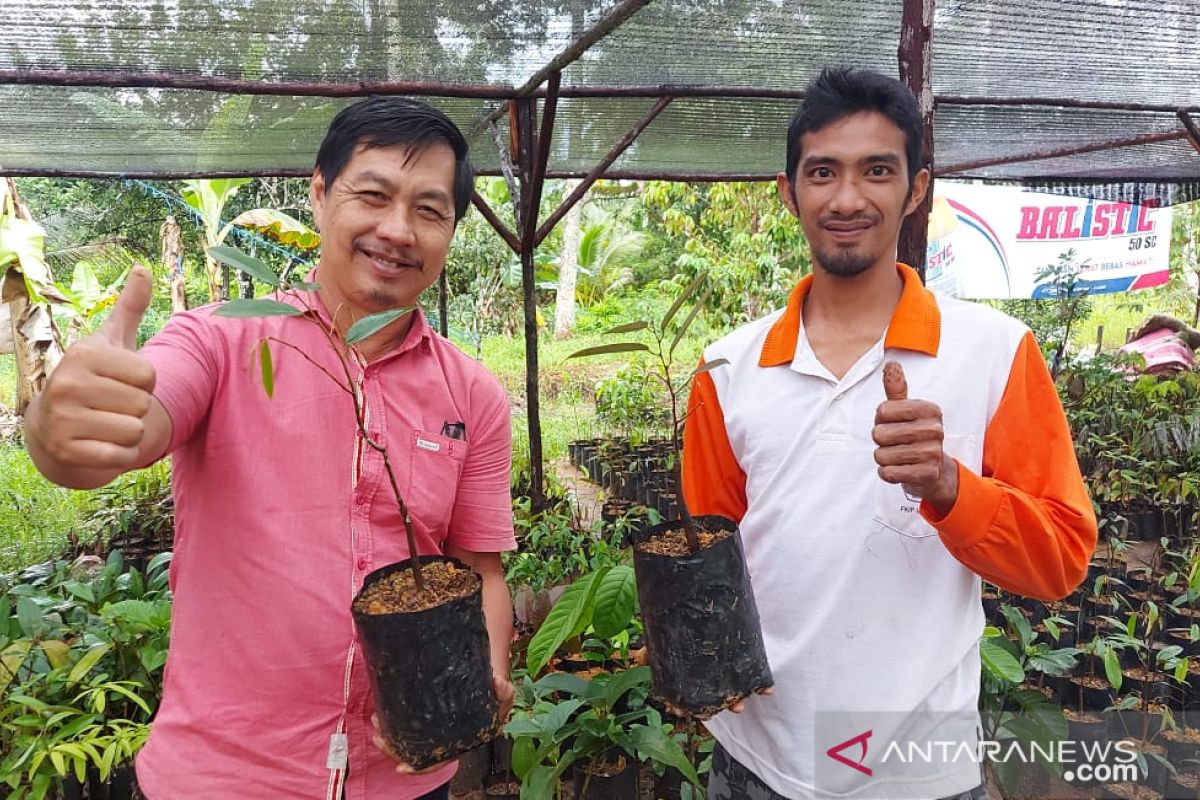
<point>397,593</point>
<point>675,543</point>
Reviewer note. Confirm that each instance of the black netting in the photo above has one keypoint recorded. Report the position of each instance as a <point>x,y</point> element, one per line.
<point>1118,51</point>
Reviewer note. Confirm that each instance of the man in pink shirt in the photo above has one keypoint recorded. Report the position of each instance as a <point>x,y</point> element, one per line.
<point>281,509</point>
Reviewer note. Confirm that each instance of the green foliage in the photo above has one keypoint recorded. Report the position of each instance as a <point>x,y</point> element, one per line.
<point>739,233</point>
<point>563,720</point>
<point>83,645</point>
<point>35,515</point>
<point>1009,711</point>
<point>632,404</point>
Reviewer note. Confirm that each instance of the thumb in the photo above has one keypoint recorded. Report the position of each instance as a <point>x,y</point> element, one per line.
<point>121,327</point>
<point>895,386</point>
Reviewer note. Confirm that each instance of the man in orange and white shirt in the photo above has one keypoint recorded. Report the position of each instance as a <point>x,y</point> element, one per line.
<point>868,522</point>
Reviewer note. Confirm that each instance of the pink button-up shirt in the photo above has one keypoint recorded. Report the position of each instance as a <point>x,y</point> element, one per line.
<point>281,510</point>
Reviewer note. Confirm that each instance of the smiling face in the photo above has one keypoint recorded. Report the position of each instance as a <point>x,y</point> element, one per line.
<point>851,192</point>
<point>386,225</point>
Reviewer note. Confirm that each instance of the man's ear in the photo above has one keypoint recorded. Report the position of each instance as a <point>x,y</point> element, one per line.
<point>920,186</point>
<point>787,194</point>
<point>316,197</point>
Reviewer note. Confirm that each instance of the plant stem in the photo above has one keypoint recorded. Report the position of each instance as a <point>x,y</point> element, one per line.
<point>351,387</point>
<point>689,524</point>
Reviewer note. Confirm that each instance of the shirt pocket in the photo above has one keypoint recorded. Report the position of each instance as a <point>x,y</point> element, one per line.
<point>898,511</point>
<point>434,467</point>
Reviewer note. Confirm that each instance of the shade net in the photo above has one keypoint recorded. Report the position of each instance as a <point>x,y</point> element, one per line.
<point>1116,51</point>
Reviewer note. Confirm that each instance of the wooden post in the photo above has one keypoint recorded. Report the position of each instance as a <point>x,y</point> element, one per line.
<point>916,70</point>
<point>443,313</point>
<point>523,139</point>
<point>1099,338</point>
<point>172,261</point>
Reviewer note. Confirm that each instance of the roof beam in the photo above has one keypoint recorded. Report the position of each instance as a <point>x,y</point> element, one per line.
<point>612,155</point>
<point>1061,152</point>
<point>1190,126</point>
<point>497,224</point>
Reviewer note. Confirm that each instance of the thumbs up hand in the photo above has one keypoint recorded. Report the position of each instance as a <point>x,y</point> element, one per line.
<point>909,437</point>
<point>91,414</point>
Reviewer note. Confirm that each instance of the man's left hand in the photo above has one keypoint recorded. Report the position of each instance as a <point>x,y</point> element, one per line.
<point>909,437</point>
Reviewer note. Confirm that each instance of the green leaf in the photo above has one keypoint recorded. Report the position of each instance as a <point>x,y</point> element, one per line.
<point>616,599</point>
<point>85,285</point>
<point>561,682</point>
<point>1181,671</point>
<point>553,721</point>
<point>574,606</point>
<point>539,783</point>
<point>254,267</point>
<point>687,321</point>
<point>999,663</point>
<point>617,347</point>
<point>653,743</point>
<point>616,686</point>
<point>29,615</point>
<point>268,370</point>
<point>523,727</point>
<point>1019,623</point>
<point>256,308</point>
<point>87,661</point>
<point>679,301</point>
<point>709,365</point>
<point>523,756</point>
<point>1112,668</point>
<point>629,327</point>
<point>374,323</point>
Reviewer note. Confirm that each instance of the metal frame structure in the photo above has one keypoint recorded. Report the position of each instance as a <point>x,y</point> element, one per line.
<point>530,141</point>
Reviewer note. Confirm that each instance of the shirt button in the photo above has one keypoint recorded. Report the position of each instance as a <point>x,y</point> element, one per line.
<point>359,499</point>
<point>377,438</point>
<point>362,564</point>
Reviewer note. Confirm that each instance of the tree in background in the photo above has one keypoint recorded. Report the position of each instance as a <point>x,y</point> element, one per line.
<point>752,248</point>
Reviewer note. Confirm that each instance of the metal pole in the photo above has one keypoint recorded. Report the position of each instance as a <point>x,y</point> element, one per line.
<point>1039,155</point>
<point>497,224</point>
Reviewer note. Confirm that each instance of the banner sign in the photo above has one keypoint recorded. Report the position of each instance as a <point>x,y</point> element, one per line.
<point>990,242</point>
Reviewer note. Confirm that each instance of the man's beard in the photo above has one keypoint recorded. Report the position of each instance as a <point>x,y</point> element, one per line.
<point>843,263</point>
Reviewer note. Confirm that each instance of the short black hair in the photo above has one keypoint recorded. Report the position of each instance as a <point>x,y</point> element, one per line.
<point>841,91</point>
<point>392,121</point>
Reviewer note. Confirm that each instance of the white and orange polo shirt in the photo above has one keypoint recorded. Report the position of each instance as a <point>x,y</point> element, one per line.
<point>870,603</point>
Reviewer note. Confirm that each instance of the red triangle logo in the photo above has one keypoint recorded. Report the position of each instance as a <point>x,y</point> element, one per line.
<point>835,753</point>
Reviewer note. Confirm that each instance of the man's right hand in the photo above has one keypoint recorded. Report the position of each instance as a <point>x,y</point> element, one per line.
<point>89,425</point>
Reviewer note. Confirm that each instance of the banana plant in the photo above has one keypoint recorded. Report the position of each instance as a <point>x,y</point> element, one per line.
<point>208,198</point>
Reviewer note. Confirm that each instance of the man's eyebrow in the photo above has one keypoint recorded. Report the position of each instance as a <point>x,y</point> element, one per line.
<point>371,176</point>
<point>435,194</point>
<point>883,158</point>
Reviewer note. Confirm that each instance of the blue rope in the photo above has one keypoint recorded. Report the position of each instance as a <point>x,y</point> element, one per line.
<point>247,237</point>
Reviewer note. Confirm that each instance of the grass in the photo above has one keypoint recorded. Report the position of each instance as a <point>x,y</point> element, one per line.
<point>1120,313</point>
<point>567,388</point>
<point>35,515</point>
<point>8,382</point>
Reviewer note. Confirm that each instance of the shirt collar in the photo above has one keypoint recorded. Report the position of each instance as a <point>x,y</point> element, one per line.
<point>916,323</point>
